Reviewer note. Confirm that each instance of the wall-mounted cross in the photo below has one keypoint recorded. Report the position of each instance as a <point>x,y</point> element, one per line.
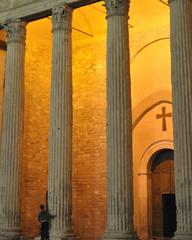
<point>163,116</point>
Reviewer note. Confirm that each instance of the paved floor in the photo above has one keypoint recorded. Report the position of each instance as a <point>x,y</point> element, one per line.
<point>160,238</point>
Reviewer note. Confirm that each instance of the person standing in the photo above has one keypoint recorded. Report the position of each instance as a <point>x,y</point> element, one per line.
<point>44,218</point>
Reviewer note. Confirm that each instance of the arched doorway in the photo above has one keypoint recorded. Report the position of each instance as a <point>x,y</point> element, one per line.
<point>163,194</point>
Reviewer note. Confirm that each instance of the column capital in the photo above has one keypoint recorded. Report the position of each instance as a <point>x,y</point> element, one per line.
<point>117,7</point>
<point>62,18</point>
<point>16,31</point>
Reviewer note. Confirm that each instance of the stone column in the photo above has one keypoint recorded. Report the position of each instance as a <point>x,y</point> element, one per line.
<point>119,124</point>
<point>12,132</point>
<point>181,63</point>
<point>60,148</point>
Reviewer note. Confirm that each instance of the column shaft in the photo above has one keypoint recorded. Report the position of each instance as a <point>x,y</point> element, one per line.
<point>60,148</point>
<point>181,58</point>
<point>12,132</point>
<point>119,124</point>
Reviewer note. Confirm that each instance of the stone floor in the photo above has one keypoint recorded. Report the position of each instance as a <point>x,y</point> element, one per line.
<point>160,238</point>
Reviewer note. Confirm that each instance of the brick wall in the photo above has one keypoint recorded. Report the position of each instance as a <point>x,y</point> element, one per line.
<point>89,160</point>
<point>36,128</point>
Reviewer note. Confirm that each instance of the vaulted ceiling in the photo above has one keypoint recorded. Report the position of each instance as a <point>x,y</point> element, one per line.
<point>89,21</point>
<point>144,15</point>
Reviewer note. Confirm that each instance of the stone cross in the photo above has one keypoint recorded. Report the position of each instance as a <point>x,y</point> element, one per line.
<point>163,116</point>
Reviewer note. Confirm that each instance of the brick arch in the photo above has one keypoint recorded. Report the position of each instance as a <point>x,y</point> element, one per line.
<point>147,157</point>
<point>148,104</point>
<point>144,185</point>
<point>147,45</point>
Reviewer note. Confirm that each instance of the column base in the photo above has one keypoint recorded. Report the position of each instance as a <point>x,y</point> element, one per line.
<point>120,235</point>
<point>6,234</point>
<point>183,236</point>
<point>61,235</point>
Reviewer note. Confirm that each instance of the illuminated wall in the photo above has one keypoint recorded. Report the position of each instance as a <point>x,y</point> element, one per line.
<point>150,72</point>
<point>36,125</point>
<point>89,195</point>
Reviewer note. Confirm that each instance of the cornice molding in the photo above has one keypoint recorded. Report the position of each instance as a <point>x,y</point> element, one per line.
<point>38,9</point>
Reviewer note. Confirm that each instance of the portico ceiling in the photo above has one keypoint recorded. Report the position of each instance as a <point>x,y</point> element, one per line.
<point>144,14</point>
<point>89,21</point>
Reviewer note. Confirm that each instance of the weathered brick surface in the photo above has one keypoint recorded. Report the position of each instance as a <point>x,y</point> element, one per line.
<point>36,127</point>
<point>89,160</point>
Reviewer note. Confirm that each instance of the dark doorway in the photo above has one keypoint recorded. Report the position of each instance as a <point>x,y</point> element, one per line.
<point>169,214</point>
<point>163,195</point>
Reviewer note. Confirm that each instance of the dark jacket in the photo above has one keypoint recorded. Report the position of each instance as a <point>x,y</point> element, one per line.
<point>44,216</point>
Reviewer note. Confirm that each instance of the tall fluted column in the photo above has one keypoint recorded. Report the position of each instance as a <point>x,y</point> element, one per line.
<point>119,124</point>
<point>181,63</point>
<point>60,148</point>
<point>12,132</point>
